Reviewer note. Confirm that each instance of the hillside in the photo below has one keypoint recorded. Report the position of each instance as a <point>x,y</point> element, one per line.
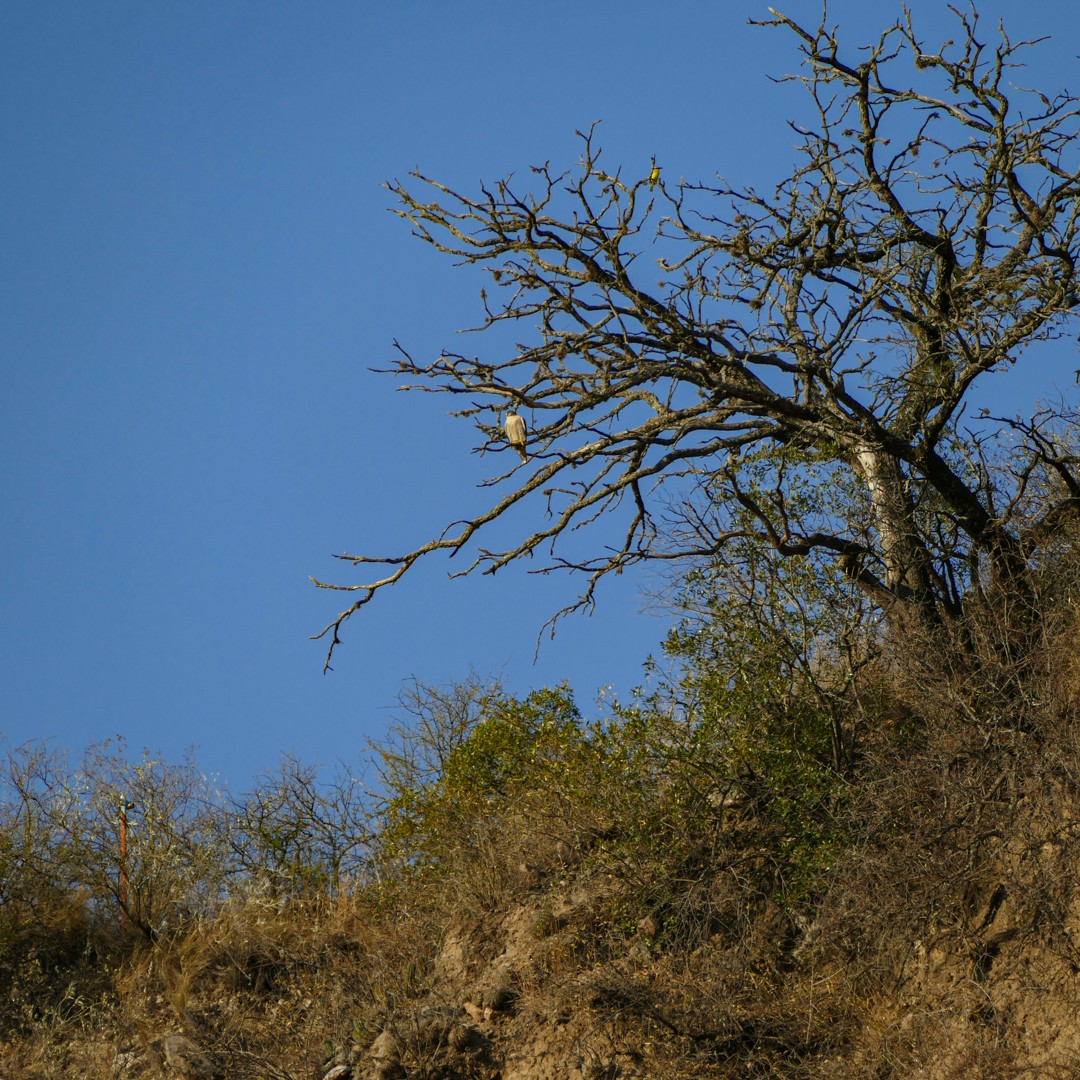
<point>669,892</point>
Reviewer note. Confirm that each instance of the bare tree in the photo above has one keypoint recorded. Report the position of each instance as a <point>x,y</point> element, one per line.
<point>824,336</point>
<point>299,835</point>
<point>433,721</point>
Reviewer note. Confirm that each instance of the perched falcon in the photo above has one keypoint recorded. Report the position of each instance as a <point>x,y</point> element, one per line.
<point>515,434</point>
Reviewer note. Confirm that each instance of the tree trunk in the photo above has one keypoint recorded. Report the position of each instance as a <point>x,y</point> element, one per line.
<point>907,565</point>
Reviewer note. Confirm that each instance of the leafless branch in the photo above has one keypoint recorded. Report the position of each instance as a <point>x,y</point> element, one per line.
<point>832,328</point>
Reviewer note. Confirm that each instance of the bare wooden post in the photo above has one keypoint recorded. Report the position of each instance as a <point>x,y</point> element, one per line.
<point>125,806</point>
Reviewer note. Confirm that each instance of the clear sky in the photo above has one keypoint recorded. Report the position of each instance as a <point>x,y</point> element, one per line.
<point>198,270</point>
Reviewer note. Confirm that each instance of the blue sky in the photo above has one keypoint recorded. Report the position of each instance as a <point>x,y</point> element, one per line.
<point>198,270</point>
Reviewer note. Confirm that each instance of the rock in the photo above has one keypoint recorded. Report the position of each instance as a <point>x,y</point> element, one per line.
<point>385,1057</point>
<point>188,1060</point>
<point>529,873</point>
<point>387,1070</point>
<point>563,853</point>
<point>386,1047</point>
<point>126,1061</point>
<point>497,993</point>
<point>434,1014</point>
<point>649,926</point>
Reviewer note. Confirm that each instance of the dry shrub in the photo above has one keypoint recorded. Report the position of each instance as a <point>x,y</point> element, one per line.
<point>265,982</point>
<point>960,874</point>
<point>51,970</point>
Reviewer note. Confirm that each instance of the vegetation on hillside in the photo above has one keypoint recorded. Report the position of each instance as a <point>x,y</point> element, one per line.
<point>737,871</point>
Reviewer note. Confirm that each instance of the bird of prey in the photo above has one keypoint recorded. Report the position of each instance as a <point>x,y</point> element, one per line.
<point>654,175</point>
<point>515,434</point>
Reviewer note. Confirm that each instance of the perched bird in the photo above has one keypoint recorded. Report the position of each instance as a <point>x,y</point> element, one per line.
<point>654,175</point>
<point>515,434</point>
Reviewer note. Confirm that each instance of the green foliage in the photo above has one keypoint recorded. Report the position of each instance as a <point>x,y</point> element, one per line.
<point>769,653</point>
<point>511,745</point>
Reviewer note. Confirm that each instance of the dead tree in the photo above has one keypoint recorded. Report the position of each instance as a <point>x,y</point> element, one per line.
<point>708,351</point>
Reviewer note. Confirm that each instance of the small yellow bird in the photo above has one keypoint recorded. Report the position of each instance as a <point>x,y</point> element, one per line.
<point>515,434</point>
<point>654,176</point>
